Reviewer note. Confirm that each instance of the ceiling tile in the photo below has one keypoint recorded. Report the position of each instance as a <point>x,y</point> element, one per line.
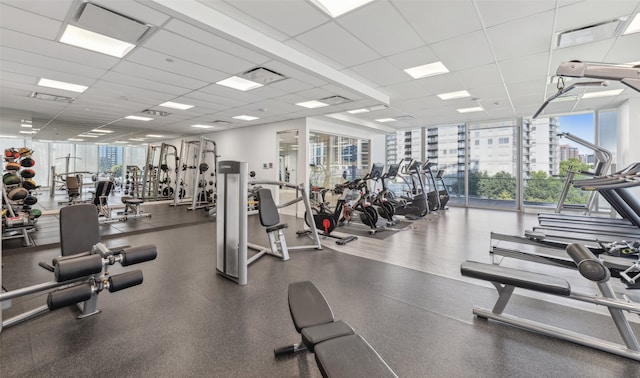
<point>278,14</point>
<point>186,49</point>
<point>212,40</point>
<point>382,28</point>
<point>437,21</point>
<point>158,76</point>
<point>478,76</point>
<point>413,58</point>
<point>381,72</point>
<point>135,10</point>
<point>528,68</point>
<point>338,45</point>
<point>586,13</point>
<point>57,9</point>
<point>163,62</point>
<point>28,23</point>
<point>465,51</point>
<point>495,12</point>
<point>38,60</point>
<point>526,36</point>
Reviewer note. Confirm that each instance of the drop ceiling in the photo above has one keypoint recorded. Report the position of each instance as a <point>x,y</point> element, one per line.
<point>502,52</point>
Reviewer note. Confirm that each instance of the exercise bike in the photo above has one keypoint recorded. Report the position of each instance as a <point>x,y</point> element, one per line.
<point>325,220</point>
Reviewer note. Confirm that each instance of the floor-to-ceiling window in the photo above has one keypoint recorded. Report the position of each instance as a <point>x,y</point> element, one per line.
<point>446,148</point>
<point>492,164</point>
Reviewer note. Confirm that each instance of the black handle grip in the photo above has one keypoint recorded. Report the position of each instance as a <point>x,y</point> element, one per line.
<point>125,280</point>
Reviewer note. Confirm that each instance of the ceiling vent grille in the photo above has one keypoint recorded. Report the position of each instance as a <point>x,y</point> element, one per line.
<point>404,118</point>
<point>106,22</point>
<point>334,100</point>
<point>157,113</point>
<point>221,122</point>
<point>262,75</point>
<point>590,33</point>
<point>50,97</point>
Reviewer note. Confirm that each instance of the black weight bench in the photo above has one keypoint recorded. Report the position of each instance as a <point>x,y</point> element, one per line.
<point>339,351</point>
<point>590,267</point>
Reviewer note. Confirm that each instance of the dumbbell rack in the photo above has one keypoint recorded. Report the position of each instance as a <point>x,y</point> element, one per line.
<point>14,224</point>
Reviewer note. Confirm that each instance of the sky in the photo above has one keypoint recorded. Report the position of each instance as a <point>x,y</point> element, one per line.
<point>580,125</point>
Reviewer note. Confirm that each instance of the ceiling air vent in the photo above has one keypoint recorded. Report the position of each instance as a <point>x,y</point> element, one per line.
<point>334,100</point>
<point>50,97</point>
<point>157,113</point>
<point>221,122</point>
<point>590,33</point>
<point>404,118</point>
<point>262,75</point>
<point>115,25</point>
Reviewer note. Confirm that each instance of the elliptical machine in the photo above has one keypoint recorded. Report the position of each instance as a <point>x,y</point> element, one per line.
<point>433,196</point>
<point>444,191</point>
<point>416,205</point>
<point>383,205</point>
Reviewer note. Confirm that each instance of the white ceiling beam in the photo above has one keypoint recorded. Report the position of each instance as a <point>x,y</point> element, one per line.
<point>216,20</point>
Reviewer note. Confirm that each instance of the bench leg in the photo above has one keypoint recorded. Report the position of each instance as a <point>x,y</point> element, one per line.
<point>504,294</point>
<point>289,349</point>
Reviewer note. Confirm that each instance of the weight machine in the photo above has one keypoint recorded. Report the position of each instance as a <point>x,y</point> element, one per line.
<point>232,219</point>
<point>159,179</point>
<point>196,174</point>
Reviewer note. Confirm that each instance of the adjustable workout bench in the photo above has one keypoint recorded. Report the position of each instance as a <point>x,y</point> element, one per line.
<point>590,267</point>
<point>339,351</point>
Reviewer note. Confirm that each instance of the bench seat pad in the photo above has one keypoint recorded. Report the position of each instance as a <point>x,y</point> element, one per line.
<point>350,356</point>
<point>317,334</point>
<point>307,305</point>
<point>516,277</point>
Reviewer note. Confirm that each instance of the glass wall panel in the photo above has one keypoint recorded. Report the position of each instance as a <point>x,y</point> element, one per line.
<point>551,148</point>
<point>492,158</point>
<point>404,145</point>
<point>43,165</point>
<point>445,146</point>
<point>334,159</point>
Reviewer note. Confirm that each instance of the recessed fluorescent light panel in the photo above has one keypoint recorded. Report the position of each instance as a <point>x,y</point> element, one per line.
<point>61,85</point>
<point>613,92</point>
<point>634,25</point>
<point>27,132</point>
<point>202,126</point>
<point>454,95</point>
<point>88,135</point>
<point>76,140</point>
<point>121,142</point>
<point>136,118</point>
<point>154,136</point>
<point>105,131</point>
<point>471,110</point>
<point>89,40</point>
<point>385,119</point>
<point>137,139</point>
<point>312,104</point>
<point>426,70</point>
<point>176,105</point>
<point>239,83</point>
<point>358,111</point>
<point>245,117</point>
<point>336,8</point>
<point>26,125</point>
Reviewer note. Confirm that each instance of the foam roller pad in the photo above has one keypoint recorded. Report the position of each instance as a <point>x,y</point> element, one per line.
<point>65,297</point>
<point>68,269</point>
<point>588,264</point>
<point>140,254</point>
<point>125,280</point>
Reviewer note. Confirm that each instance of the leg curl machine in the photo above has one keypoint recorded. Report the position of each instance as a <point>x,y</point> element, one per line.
<point>80,278</point>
